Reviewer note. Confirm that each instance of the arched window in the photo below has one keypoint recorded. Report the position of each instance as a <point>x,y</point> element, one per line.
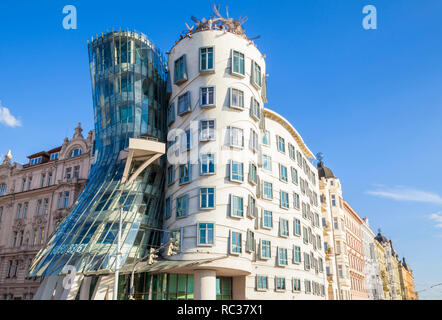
<point>75,153</point>
<point>3,188</point>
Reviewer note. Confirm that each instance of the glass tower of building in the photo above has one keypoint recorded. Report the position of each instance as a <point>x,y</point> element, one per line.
<point>128,75</point>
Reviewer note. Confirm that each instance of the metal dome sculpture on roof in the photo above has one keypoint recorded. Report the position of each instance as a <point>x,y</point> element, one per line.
<point>323,171</point>
<point>217,22</point>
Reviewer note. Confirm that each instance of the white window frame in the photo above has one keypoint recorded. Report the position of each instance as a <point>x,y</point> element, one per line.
<point>199,244</point>
<point>207,130</point>
<point>208,104</point>
<point>240,137</point>
<point>241,98</point>
<point>232,69</point>
<point>207,200</point>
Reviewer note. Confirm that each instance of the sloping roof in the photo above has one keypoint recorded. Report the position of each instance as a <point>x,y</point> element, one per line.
<point>324,172</point>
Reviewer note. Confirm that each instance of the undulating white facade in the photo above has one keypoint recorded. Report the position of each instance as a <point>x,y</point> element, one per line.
<point>241,195</point>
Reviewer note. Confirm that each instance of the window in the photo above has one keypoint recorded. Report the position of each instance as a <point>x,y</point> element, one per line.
<point>1,213</point>
<point>66,200</point>
<point>68,173</point>
<point>283,227</point>
<point>38,208</point>
<point>266,138</point>
<point>42,235</point>
<point>77,172</point>
<point>235,242</point>
<point>281,144</point>
<point>267,162</point>
<point>206,59</point>
<point>185,173</point>
<point>207,97</point>
<point>279,284</point>
<point>262,283</point>
<point>3,188</point>
<point>296,254</point>
<point>292,152</point>
<point>60,200</point>
<point>255,109</point>
<point>207,164</point>
<point>171,113</point>
<point>168,208</point>
<point>35,161</point>
<point>178,236</point>
<point>54,156</point>
<point>265,249</point>
<point>49,178</point>
<point>333,200</point>
<point>268,190</point>
<point>236,171</point>
<point>75,153</point>
<point>186,141</point>
<point>237,206</point>
<point>284,200</point>
<point>207,198</point>
<point>170,174</point>
<point>299,158</point>
<point>340,272</point>
<point>182,206</point>
<point>23,185</point>
<point>250,241</point>
<point>302,185</point>
<point>306,261</point>
<point>321,264</point>
<point>253,140</point>
<point>308,286</point>
<point>29,183</point>
<point>294,176</point>
<point>184,105</point>
<point>207,130</point>
<point>252,210</point>
<point>238,63</point>
<point>236,98</point>
<point>297,227</point>
<point>305,235</point>
<point>180,74</point>
<point>256,74</point>
<point>335,223</point>
<point>283,173</point>
<point>282,257</point>
<point>253,176</point>
<point>267,219</point>
<point>236,137</point>
<point>296,285</point>
<point>206,233</point>
<point>296,200</point>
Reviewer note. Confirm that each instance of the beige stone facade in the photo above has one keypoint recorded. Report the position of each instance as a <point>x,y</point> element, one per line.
<point>34,198</point>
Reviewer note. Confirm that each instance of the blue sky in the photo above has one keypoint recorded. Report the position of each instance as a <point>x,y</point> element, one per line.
<point>370,100</point>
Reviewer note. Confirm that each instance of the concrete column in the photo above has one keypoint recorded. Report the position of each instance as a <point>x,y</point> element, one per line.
<point>58,289</point>
<point>48,289</point>
<point>72,293</point>
<point>85,288</point>
<point>239,288</point>
<point>38,294</point>
<point>204,284</point>
<point>105,288</point>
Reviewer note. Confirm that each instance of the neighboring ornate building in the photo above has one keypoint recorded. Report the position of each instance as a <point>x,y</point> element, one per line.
<point>380,253</point>
<point>355,252</point>
<point>333,222</point>
<point>373,280</point>
<point>407,281</point>
<point>34,198</point>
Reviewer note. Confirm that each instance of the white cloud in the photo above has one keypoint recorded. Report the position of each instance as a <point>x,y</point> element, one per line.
<point>401,193</point>
<point>7,118</point>
<point>437,217</point>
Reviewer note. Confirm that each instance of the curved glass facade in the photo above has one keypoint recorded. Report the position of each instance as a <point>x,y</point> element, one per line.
<point>128,77</point>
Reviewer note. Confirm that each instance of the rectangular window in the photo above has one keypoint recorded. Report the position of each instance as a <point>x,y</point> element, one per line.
<point>207,198</point>
<point>253,140</point>
<point>182,206</point>
<point>178,236</point>
<point>184,105</point>
<point>280,284</point>
<point>283,173</point>
<point>54,156</point>
<point>296,201</point>
<point>236,137</point>
<point>185,141</point>
<point>207,164</point>
<point>236,98</point>
<point>255,109</point>
<point>68,173</point>
<point>333,200</point>
<point>66,200</point>
<point>268,190</point>
<point>281,144</point>
<point>236,171</point>
<point>302,185</point>
<point>292,152</point>
<point>180,70</point>
<point>77,172</point>
<point>296,285</point>
<point>256,74</point>
<point>236,243</point>
<point>304,235</point>
<point>267,162</point>
<point>185,174</point>
<point>266,138</point>
<point>168,208</point>
<point>237,206</point>
<point>297,227</point>
<point>38,208</point>
<point>250,241</point>
<point>299,158</point>
<point>265,249</point>
<point>306,261</point>
<point>294,176</point>
<point>296,254</point>
<point>283,227</point>
<point>262,283</point>
<point>284,200</point>
<point>340,272</point>
<point>207,97</point>
<point>252,210</point>
<point>267,219</point>
<point>238,63</point>
<point>253,175</point>
<point>42,182</point>
<point>207,130</point>
<point>308,286</point>
<point>206,233</point>
<point>206,59</point>
<point>170,174</point>
<point>282,257</point>
<point>171,113</point>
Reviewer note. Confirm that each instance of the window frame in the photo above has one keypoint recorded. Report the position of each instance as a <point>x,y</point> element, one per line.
<point>232,64</point>
<point>207,105</point>
<point>241,99</point>
<point>207,69</point>
<point>199,244</point>
<point>207,200</point>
